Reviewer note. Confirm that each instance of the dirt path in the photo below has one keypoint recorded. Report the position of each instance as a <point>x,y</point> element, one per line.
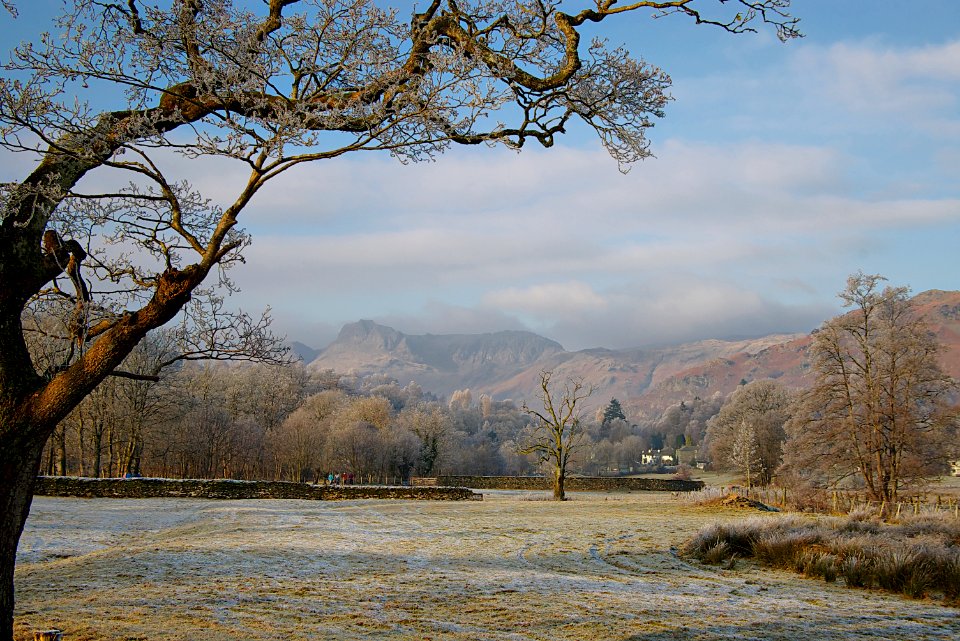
<point>599,567</point>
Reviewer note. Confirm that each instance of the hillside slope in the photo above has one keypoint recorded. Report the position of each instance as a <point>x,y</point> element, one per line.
<point>507,364</point>
<point>788,362</point>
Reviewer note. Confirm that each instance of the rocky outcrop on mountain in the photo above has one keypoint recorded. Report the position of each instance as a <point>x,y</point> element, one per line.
<point>303,352</point>
<point>438,363</point>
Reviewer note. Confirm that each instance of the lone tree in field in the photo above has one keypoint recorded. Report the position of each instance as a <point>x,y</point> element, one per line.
<point>878,408</point>
<point>557,431</point>
<point>106,110</point>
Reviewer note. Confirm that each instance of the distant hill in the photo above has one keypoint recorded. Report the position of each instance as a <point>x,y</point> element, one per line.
<point>304,352</point>
<point>788,362</point>
<point>440,363</point>
<point>506,364</point>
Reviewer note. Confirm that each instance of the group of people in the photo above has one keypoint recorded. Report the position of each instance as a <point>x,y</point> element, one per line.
<point>337,478</point>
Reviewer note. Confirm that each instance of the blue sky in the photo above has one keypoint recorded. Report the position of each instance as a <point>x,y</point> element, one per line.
<point>780,169</point>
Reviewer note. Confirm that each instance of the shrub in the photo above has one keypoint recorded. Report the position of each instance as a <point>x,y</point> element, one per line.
<point>857,571</point>
<point>915,557</point>
<point>784,549</point>
<point>717,553</point>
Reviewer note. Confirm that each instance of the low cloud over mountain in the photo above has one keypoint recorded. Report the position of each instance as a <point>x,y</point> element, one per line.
<point>506,364</point>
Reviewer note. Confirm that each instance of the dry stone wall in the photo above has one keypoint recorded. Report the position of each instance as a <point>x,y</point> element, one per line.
<point>573,484</point>
<point>228,489</point>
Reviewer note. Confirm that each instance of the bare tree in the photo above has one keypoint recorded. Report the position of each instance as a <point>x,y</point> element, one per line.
<point>403,455</point>
<point>302,442</point>
<point>360,448</point>
<point>558,431</point>
<point>877,411</point>
<point>372,410</point>
<point>298,444</point>
<point>762,405</point>
<point>745,454</point>
<point>269,89</point>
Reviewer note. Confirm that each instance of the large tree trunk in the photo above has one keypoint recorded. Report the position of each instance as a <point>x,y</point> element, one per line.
<point>31,406</point>
<point>559,479</point>
<point>19,465</point>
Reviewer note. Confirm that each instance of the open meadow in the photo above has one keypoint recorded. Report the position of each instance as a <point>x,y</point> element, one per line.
<point>597,567</point>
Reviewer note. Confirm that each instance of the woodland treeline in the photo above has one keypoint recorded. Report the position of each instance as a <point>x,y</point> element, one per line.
<point>880,416</point>
<point>283,422</point>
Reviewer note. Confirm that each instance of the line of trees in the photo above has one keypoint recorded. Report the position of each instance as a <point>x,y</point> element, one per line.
<point>879,416</point>
<point>210,420</point>
<point>215,420</point>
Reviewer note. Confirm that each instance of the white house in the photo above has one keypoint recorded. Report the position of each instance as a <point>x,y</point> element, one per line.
<point>658,457</point>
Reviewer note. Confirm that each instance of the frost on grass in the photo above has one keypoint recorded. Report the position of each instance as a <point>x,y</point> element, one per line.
<point>918,556</point>
<point>599,567</point>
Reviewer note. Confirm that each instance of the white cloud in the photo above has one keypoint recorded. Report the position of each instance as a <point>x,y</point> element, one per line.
<point>698,242</point>
<point>677,307</point>
<point>437,317</point>
<point>547,299</point>
<point>868,78</point>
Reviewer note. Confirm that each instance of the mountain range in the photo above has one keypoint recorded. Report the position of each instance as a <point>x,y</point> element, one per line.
<point>506,365</point>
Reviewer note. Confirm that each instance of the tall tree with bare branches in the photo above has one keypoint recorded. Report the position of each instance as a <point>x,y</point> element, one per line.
<point>558,430</point>
<point>877,411</point>
<point>104,227</point>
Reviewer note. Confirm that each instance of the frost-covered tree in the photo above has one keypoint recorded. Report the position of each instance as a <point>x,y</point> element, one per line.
<point>558,431</point>
<point>101,224</point>
<point>299,443</point>
<point>745,453</point>
<point>878,410</point>
<point>764,405</point>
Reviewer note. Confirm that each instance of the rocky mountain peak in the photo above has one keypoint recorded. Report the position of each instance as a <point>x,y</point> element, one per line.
<point>506,364</point>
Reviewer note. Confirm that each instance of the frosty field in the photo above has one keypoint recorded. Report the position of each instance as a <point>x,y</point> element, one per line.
<point>598,567</point>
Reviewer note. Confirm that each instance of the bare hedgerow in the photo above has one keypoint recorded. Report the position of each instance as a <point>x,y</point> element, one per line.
<point>705,496</point>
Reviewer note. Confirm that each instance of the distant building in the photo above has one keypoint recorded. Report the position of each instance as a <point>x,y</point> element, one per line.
<point>955,468</point>
<point>658,457</point>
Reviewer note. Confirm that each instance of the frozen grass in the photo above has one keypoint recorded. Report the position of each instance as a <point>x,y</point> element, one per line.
<point>916,557</point>
<point>599,568</point>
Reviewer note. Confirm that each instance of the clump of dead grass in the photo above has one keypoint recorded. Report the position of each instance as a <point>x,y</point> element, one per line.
<point>917,557</point>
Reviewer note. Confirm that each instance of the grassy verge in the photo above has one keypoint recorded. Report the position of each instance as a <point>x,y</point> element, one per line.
<point>918,556</point>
